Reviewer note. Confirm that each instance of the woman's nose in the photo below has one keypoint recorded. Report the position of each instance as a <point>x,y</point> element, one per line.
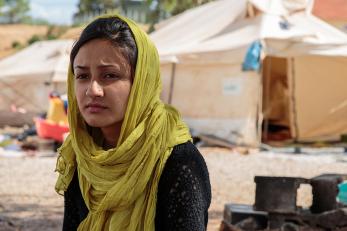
<point>95,90</point>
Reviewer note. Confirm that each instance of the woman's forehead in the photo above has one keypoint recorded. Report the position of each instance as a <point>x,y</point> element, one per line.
<point>99,51</point>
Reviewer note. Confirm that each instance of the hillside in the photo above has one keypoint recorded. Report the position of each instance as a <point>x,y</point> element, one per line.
<point>72,33</point>
<point>17,33</point>
<point>20,34</point>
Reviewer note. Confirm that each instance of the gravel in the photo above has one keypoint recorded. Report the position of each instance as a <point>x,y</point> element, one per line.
<point>28,200</point>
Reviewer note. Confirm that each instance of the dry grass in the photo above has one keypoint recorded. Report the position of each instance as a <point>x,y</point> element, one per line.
<point>22,33</point>
<point>18,32</point>
<point>72,33</point>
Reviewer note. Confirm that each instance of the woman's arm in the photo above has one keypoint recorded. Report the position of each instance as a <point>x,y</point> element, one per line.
<point>184,191</point>
<point>75,209</point>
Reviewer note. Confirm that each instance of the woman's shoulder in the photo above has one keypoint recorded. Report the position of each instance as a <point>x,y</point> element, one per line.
<point>186,153</point>
<point>184,160</point>
<point>184,191</point>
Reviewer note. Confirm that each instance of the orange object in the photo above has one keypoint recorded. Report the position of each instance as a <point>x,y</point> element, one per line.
<point>47,129</point>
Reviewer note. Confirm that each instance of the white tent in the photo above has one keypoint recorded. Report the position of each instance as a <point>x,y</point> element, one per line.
<point>27,77</point>
<point>203,76</point>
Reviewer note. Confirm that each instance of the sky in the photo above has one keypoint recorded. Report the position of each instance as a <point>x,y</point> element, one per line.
<point>54,11</point>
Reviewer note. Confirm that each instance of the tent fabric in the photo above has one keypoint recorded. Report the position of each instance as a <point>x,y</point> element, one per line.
<point>48,58</point>
<point>202,50</point>
<point>28,92</point>
<point>198,63</point>
<point>197,25</point>
<point>306,35</point>
<point>225,105</point>
<point>284,7</point>
<point>28,76</point>
<point>320,97</point>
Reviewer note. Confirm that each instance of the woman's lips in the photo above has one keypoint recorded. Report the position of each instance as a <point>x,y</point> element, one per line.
<point>95,108</point>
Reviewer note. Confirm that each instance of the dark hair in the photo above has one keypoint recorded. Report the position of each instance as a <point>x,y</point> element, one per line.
<point>113,29</point>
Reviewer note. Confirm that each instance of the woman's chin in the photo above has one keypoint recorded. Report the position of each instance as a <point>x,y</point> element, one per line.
<point>97,123</point>
<point>100,122</point>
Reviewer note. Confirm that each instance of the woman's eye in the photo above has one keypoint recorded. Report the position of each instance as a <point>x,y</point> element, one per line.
<point>81,76</point>
<point>111,76</point>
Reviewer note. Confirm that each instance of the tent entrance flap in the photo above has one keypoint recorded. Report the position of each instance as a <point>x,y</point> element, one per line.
<point>276,123</point>
<point>319,91</point>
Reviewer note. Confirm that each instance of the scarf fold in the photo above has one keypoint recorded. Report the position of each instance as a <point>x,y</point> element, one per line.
<point>119,186</point>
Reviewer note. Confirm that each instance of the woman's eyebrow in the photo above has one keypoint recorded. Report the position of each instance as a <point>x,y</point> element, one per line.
<point>108,65</point>
<point>99,66</point>
<point>80,67</point>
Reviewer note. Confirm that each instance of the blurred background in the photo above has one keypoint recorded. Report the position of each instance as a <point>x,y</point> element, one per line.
<point>261,84</point>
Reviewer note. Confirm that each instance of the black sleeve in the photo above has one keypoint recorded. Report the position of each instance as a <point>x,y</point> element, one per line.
<point>184,191</point>
<point>75,209</point>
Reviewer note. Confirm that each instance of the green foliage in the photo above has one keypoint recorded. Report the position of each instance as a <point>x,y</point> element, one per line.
<point>33,39</point>
<point>16,45</point>
<point>15,9</point>
<point>55,32</point>
<point>177,6</point>
<point>88,6</point>
<point>35,21</point>
<point>171,7</point>
<point>51,37</point>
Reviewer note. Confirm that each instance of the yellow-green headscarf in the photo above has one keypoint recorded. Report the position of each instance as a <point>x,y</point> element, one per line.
<point>119,186</point>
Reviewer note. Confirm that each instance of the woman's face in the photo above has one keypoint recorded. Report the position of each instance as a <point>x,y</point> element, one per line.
<point>102,83</point>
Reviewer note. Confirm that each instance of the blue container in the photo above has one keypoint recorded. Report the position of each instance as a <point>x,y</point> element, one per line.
<point>342,196</point>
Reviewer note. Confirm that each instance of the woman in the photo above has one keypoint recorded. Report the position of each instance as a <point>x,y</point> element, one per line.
<point>128,163</point>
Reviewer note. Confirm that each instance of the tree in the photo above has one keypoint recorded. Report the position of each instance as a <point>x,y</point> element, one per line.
<point>172,7</point>
<point>14,10</point>
<point>178,6</point>
<point>95,6</point>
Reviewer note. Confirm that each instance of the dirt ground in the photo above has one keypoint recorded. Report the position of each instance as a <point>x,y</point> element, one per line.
<point>28,200</point>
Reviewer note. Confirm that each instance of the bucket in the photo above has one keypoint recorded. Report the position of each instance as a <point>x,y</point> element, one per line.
<point>342,196</point>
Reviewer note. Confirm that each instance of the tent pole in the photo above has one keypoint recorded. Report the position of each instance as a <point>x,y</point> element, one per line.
<point>260,114</point>
<point>294,117</point>
<point>173,70</point>
<point>267,80</point>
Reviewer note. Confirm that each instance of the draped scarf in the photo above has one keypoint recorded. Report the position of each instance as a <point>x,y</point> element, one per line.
<point>119,185</point>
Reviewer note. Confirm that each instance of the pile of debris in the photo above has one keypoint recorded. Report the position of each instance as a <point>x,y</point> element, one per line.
<point>23,141</point>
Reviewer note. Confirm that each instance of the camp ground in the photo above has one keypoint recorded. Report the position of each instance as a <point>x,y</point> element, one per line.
<point>202,71</point>
<point>264,79</point>
<point>288,98</point>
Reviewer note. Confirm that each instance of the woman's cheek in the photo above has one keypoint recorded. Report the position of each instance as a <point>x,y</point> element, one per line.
<point>79,96</point>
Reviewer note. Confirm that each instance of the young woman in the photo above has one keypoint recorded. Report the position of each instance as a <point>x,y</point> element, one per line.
<point>128,162</point>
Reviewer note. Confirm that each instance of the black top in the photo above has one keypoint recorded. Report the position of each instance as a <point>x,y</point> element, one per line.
<point>184,194</point>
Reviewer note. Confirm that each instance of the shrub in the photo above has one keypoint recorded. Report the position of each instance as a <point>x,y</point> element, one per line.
<point>16,44</point>
<point>33,39</point>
